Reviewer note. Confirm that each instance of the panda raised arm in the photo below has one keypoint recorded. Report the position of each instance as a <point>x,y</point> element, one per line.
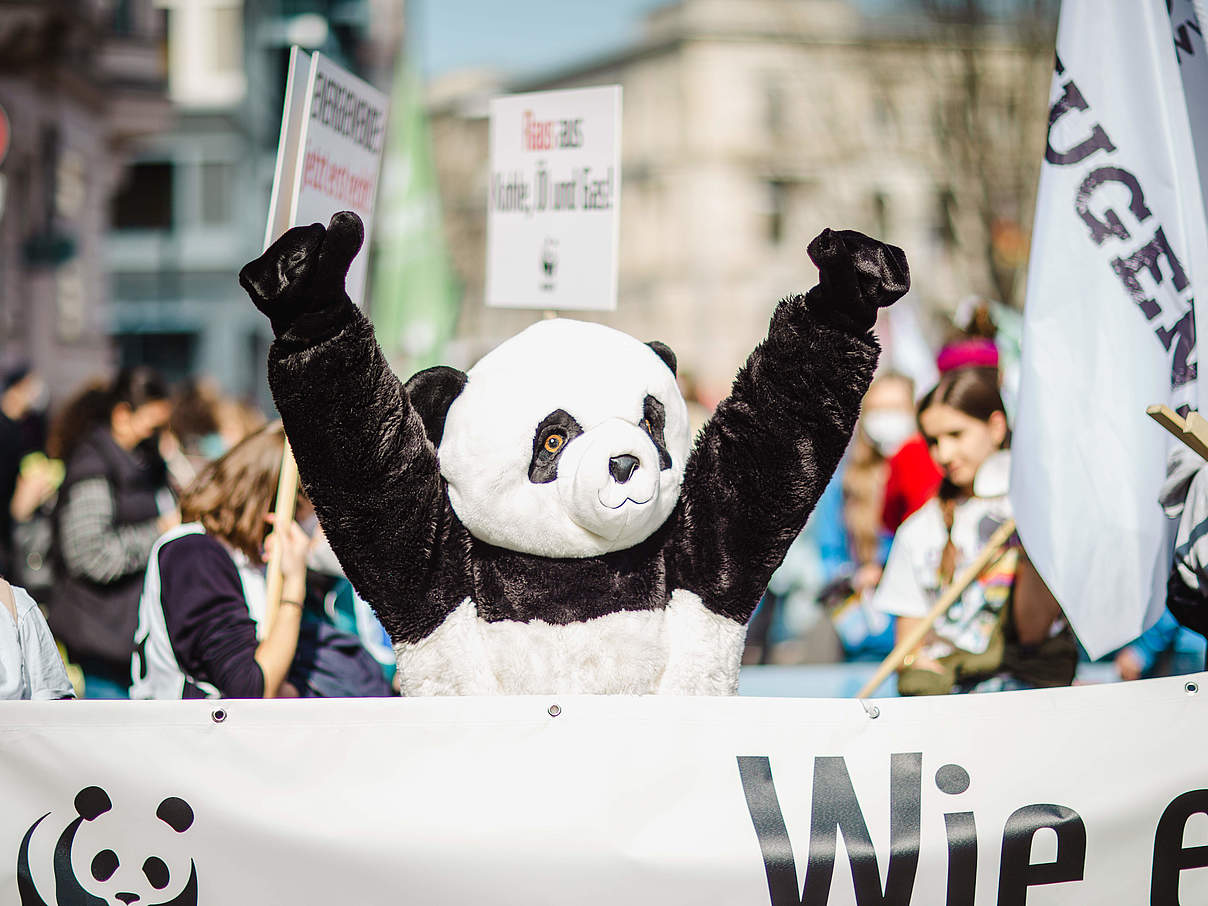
<point>364,442</point>
<point>764,458</point>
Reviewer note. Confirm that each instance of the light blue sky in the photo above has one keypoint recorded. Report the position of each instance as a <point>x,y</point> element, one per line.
<point>519,36</point>
<point>531,36</point>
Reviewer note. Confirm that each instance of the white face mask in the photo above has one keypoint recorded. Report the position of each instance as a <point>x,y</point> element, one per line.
<point>888,429</point>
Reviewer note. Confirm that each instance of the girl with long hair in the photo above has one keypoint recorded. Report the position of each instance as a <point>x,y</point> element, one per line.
<point>201,629</point>
<point>1006,630</point>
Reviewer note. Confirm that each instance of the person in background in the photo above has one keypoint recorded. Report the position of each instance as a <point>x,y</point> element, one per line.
<point>203,601</point>
<point>30,667</point>
<point>1164,649</point>
<point>1006,630</point>
<point>1184,496</point>
<point>21,432</point>
<point>202,630</point>
<point>113,503</point>
<point>910,477</point>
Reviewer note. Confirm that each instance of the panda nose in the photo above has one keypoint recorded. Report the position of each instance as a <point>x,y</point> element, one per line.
<point>127,898</point>
<point>622,467</point>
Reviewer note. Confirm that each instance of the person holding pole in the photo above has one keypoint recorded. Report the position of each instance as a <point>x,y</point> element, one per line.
<point>1004,630</point>
<point>202,627</point>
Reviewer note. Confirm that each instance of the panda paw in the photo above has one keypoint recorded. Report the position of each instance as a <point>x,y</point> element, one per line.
<point>857,275</point>
<point>303,270</point>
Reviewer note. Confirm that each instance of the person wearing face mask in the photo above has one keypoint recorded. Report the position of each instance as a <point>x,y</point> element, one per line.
<point>911,477</point>
<point>114,502</point>
<point>1006,631</point>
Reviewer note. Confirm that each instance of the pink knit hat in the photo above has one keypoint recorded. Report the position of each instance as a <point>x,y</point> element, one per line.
<point>967,353</point>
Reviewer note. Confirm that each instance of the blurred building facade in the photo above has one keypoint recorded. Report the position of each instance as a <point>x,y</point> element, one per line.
<point>750,125</point>
<point>81,82</point>
<point>192,207</point>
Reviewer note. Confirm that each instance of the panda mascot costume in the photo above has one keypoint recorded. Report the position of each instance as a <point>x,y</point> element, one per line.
<point>542,523</point>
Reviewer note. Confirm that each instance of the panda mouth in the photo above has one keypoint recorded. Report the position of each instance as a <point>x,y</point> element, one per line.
<point>634,501</point>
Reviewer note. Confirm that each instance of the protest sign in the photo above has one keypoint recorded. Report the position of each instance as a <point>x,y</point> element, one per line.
<point>553,202</point>
<point>1118,253</point>
<point>329,154</point>
<point>1089,795</point>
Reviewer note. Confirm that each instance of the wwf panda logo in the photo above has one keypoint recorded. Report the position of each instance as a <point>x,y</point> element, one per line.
<point>144,878</point>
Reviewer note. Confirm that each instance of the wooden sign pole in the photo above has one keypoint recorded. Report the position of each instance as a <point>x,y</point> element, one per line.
<point>283,515</point>
<point>1193,430</point>
<point>915,637</point>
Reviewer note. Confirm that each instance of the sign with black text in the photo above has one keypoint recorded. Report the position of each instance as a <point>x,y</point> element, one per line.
<point>1069,797</point>
<point>333,130</point>
<point>553,200</point>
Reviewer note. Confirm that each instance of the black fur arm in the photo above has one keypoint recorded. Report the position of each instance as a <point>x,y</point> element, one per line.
<point>764,458</point>
<point>362,450</point>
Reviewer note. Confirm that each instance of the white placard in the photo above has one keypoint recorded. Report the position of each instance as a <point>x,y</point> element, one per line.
<point>1072,797</point>
<point>333,129</point>
<point>553,200</point>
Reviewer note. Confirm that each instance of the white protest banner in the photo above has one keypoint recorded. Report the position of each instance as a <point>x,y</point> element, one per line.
<point>1092,795</point>
<point>553,204</point>
<point>330,153</point>
<point>1117,252</point>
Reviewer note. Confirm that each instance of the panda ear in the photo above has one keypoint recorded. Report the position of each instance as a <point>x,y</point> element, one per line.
<point>664,352</point>
<point>432,391</point>
<point>91,802</point>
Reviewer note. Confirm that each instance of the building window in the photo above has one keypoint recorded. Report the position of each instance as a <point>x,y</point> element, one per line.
<point>144,200</point>
<point>217,192</point>
<point>777,209</point>
<point>945,217</point>
<point>880,213</point>
<point>773,108</point>
<point>226,54</point>
<point>171,354</point>
<point>122,18</point>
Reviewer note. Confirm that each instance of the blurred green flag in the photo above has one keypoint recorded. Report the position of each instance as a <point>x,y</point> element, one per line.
<point>414,292</point>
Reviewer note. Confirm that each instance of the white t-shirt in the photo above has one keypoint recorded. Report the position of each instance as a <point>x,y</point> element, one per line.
<point>911,584</point>
<point>30,666</point>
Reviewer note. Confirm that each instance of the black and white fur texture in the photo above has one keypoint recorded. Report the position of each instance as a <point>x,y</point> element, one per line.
<point>607,560</point>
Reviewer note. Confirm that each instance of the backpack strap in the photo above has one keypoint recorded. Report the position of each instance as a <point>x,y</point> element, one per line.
<point>7,598</point>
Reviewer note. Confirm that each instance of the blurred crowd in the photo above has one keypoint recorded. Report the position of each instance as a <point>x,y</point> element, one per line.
<point>137,520</point>
<point>921,490</point>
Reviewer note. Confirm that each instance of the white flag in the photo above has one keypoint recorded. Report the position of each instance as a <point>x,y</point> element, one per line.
<point>1109,328</point>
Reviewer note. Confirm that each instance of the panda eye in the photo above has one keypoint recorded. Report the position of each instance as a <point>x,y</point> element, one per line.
<point>647,427</point>
<point>104,864</point>
<point>156,871</point>
<point>554,442</point>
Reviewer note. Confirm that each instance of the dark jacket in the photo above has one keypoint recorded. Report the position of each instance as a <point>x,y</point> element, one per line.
<point>93,619</point>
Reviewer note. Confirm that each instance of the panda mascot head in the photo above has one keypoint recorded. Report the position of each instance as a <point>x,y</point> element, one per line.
<point>568,440</point>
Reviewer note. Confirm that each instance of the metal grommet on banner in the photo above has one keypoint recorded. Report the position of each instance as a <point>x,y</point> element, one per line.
<point>218,715</point>
<point>1191,687</point>
<point>554,710</point>
<point>871,710</point>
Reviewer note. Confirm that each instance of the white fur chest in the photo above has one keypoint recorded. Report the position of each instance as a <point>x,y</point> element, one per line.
<point>682,649</point>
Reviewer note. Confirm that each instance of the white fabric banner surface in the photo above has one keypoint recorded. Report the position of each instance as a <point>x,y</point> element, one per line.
<point>1118,253</point>
<point>1091,795</point>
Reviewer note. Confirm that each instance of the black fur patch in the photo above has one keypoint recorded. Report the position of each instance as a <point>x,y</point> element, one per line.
<point>655,416</point>
<point>665,353</point>
<point>558,424</point>
<point>432,391</point>
<point>510,585</point>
